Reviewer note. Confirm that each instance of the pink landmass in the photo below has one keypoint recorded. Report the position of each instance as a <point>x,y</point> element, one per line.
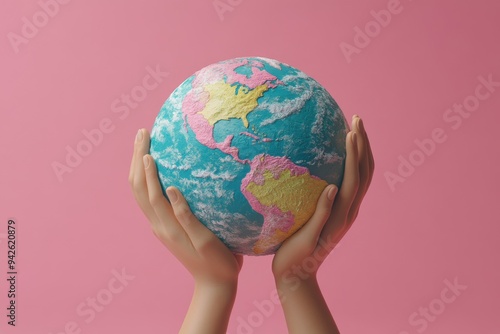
<point>195,101</point>
<point>251,135</point>
<point>274,218</point>
<point>257,78</point>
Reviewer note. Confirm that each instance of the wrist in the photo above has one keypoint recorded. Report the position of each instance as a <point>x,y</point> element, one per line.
<point>210,307</point>
<point>226,290</point>
<point>304,306</point>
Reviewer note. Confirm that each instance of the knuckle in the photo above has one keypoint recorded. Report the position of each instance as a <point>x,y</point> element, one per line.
<point>136,184</point>
<point>165,237</point>
<point>155,199</point>
<point>344,227</point>
<point>352,187</point>
<point>139,193</point>
<point>156,232</point>
<point>172,238</point>
<point>326,210</point>
<point>183,212</point>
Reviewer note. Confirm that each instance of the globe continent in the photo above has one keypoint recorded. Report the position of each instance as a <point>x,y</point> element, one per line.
<point>251,143</point>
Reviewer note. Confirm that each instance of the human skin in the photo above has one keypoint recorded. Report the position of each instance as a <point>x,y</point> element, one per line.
<point>215,269</point>
<point>296,263</point>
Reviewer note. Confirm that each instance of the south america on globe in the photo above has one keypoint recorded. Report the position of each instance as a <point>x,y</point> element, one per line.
<point>251,143</point>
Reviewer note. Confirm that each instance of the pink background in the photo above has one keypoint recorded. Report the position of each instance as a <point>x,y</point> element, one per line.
<point>440,224</point>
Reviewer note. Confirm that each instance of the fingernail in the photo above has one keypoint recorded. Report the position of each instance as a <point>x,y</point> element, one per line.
<point>138,137</point>
<point>172,195</point>
<point>361,125</point>
<point>331,192</point>
<point>145,160</point>
<point>354,116</point>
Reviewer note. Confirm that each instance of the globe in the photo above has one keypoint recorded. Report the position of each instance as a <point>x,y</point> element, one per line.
<point>251,143</point>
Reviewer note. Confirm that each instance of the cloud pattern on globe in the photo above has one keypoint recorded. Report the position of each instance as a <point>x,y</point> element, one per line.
<point>251,143</point>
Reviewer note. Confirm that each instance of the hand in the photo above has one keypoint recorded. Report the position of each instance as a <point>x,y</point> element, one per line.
<point>331,220</point>
<point>203,254</point>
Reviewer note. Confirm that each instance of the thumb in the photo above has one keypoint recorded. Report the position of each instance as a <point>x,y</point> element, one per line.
<point>198,233</point>
<point>320,216</point>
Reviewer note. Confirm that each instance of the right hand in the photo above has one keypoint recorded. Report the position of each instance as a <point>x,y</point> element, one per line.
<point>335,212</point>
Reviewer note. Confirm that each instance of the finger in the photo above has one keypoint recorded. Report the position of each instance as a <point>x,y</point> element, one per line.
<point>350,182</point>
<point>167,225</point>
<point>311,231</point>
<point>367,165</point>
<point>132,163</point>
<point>364,170</point>
<point>371,161</point>
<point>348,189</point>
<point>363,156</point>
<point>201,237</point>
<point>137,177</point>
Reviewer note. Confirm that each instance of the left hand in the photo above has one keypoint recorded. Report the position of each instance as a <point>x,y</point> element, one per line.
<point>335,212</point>
<point>202,253</point>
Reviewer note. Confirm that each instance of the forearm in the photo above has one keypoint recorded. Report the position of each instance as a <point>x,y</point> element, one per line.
<point>210,309</point>
<point>305,308</point>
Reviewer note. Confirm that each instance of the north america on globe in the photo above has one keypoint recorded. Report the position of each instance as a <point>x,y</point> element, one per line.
<point>251,143</point>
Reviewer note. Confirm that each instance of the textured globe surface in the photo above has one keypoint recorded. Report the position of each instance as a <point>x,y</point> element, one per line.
<point>251,143</point>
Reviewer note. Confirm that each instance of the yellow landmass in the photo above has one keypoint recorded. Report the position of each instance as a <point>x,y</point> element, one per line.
<point>224,103</point>
<point>296,194</point>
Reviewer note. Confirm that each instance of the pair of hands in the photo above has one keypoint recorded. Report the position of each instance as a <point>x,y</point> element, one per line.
<point>207,258</point>
<point>213,266</point>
